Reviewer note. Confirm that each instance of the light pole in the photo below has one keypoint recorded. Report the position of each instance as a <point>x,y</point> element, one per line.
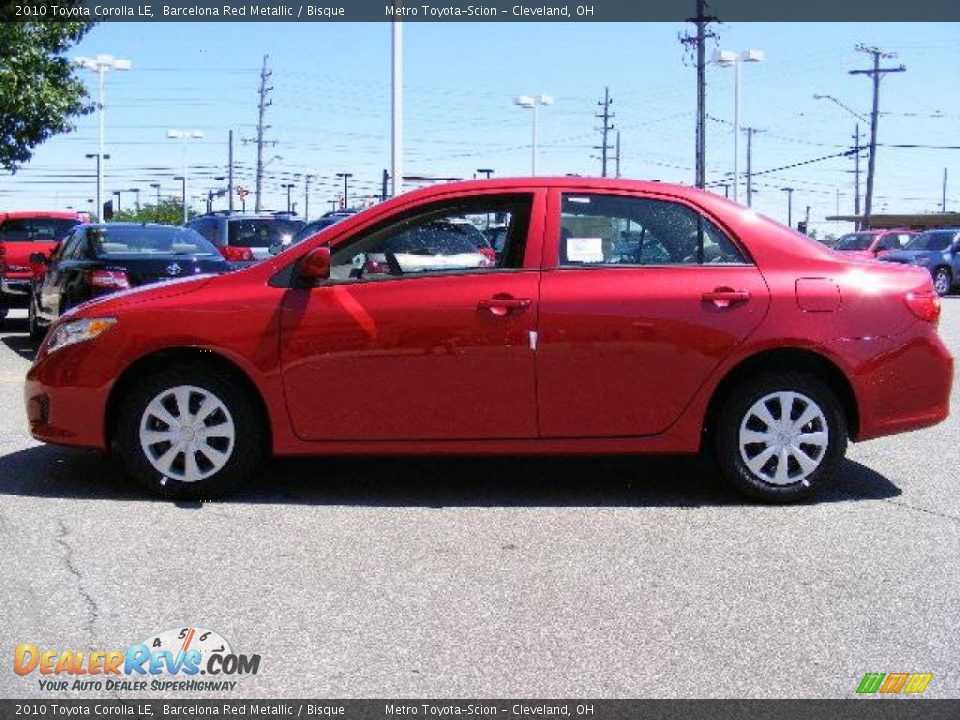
<point>100,158</point>
<point>346,176</point>
<point>183,196</point>
<point>185,135</point>
<point>789,192</point>
<point>306,196</point>
<point>396,110</point>
<point>288,187</point>
<point>533,102</point>
<point>101,64</point>
<point>487,172</point>
<point>117,194</point>
<point>734,59</point>
<point>136,195</point>
<point>156,186</point>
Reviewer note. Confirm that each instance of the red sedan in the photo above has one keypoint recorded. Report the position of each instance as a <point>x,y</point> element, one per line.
<point>618,317</point>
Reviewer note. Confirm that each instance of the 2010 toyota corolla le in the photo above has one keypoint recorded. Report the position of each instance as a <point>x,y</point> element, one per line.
<point>619,317</point>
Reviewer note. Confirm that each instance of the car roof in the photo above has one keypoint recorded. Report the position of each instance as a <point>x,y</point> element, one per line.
<point>55,214</point>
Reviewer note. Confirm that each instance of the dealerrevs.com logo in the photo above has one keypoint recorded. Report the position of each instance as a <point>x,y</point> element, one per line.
<point>170,661</point>
<point>894,683</point>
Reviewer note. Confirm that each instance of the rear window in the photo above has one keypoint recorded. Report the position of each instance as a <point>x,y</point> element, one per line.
<point>856,241</point>
<point>36,229</point>
<point>262,232</point>
<point>106,241</point>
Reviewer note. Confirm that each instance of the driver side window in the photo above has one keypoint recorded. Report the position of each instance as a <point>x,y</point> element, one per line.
<point>450,238</point>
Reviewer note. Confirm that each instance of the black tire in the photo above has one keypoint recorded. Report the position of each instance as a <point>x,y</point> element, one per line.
<point>3,315</point>
<point>942,281</point>
<point>733,414</point>
<point>36,330</point>
<point>245,454</point>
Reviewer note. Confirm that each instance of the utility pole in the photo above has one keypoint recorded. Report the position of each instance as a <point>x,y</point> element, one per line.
<point>875,73</point>
<point>606,116</point>
<point>789,192</point>
<point>262,106</point>
<point>943,202</point>
<point>702,22</point>
<point>618,153</point>
<point>856,170</point>
<point>230,170</point>
<point>346,177</point>
<point>750,132</point>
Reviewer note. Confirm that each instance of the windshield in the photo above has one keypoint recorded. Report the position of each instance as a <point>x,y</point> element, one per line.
<point>36,229</point>
<point>930,241</point>
<point>262,232</point>
<point>105,241</point>
<point>855,241</point>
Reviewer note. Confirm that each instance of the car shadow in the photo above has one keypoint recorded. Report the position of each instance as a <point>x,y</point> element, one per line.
<point>581,481</point>
<point>16,337</point>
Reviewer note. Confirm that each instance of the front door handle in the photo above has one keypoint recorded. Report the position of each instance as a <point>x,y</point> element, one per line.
<point>500,305</point>
<point>723,297</point>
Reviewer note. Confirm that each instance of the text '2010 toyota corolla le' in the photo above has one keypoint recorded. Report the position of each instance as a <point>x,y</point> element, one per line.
<point>617,317</point>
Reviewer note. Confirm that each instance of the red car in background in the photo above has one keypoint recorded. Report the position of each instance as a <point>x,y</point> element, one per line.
<point>620,317</point>
<point>22,234</point>
<point>871,243</point>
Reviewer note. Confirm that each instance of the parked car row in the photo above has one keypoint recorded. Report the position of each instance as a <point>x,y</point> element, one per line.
<point>938,251</point>
<point>564,315</point>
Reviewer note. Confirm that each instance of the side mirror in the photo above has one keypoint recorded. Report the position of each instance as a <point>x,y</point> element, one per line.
<point>39,259</point>
<point>314,267</point>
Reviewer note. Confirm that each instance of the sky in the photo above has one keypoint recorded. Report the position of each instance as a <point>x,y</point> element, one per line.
<point>330,109</point>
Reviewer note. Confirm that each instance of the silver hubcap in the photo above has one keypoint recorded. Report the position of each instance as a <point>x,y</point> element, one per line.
<point>783,438</point>
<point>941,283</point>
<point>187,433</point>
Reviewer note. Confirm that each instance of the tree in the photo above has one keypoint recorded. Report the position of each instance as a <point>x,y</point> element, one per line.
<point>39,95</point>
<point>167,212</point>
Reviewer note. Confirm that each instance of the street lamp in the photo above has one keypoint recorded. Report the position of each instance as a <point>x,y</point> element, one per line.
<point>789,192</point>
<point>485,171</point>
<point>156,186</point>
<point>533,102</point>
<point>185,135</point>
<point>101,64</point>
<point>136,194</point>
<point>346,177</point>
<point>288,187</point>
<point>734,59</point>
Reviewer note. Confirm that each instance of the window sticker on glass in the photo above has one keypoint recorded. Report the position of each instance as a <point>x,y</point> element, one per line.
<point>589,250</point>
<point>574,199</point>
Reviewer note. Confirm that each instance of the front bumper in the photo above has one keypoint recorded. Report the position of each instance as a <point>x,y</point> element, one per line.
<point>14,292</point>
<point>66,396</point>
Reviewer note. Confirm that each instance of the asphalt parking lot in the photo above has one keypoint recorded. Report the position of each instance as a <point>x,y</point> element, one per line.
<point>609,577</point>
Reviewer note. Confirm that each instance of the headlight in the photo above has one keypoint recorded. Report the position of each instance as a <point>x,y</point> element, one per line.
<point>77,331</point>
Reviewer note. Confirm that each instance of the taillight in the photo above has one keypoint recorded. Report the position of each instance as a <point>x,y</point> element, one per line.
<point>3,259</point>
<point>113,279</point>
<point>925,305</point>
<point>489,254</point>
<point>236,254</point>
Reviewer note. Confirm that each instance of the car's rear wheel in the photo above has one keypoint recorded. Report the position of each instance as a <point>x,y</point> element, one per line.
<point>942,281</point>
<point>780,436</point>
<point>188,432</point>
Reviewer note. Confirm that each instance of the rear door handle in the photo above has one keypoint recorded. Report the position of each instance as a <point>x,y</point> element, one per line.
<point>501,306</point>
<point>725,297</point>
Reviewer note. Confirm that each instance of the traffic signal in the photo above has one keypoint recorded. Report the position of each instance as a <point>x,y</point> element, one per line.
<point>802,227</point>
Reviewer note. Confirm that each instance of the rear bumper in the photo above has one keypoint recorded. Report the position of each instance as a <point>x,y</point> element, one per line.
<point>904,387</point>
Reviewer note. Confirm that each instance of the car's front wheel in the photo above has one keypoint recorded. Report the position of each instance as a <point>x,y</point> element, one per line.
<point>780,436</point>
<point>942,281</point>
<point>189,432</point>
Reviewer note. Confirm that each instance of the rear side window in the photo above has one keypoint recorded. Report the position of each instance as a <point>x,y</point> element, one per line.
<point>262,232</point>
<point>36,229</point>
<point>622,230</point>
